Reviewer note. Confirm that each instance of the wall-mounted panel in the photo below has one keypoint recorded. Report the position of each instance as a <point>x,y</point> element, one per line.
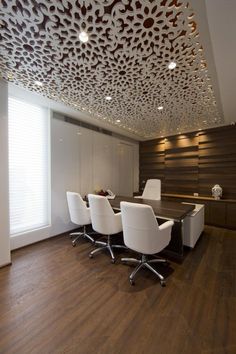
<point>193,162</point>
<point>217,161</point>
<point>181,164</point>
<point>152,161</point>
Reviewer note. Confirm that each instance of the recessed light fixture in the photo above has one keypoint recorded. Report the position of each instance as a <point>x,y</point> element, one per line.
<point>83,37</point>
<point>172,65</point>
<point>160,108</point>
<point>108,98</point>
<point>118,121</point>
<point>38,83</point>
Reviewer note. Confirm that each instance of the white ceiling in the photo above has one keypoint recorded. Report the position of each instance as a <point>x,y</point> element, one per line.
<point>222,27</point>
<point>130,45</point>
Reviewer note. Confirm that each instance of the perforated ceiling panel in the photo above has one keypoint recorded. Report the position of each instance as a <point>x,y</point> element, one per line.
<point>126,57</point>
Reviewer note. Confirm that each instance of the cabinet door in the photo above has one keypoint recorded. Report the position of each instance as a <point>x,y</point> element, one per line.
<point>231,216</point>
<point>217,213</point>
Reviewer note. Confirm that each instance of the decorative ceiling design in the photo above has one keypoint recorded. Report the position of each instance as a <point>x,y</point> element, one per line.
<point>131,43</point>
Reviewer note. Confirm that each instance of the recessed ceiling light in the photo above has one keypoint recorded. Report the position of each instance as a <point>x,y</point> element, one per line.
<point>172,65</point>
<point>83,37</point>
<point>118,121</point>
<point>160,108</point>
<point>108,98</point>
<point>39,83</point>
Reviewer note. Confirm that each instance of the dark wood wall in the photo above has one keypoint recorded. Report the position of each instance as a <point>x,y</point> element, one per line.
<point>193,162</point>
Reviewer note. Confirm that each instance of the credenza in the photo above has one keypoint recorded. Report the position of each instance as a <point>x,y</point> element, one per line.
<point>220,213</point>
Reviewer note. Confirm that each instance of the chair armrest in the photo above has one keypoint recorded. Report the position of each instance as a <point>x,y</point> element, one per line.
<point>166,225</point>
<point>118,222</point>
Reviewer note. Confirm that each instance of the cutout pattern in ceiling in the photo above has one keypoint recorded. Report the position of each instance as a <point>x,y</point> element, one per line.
<point>130,45</point>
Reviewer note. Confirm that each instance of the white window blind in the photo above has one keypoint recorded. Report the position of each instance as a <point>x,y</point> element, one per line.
<point>28,166</point>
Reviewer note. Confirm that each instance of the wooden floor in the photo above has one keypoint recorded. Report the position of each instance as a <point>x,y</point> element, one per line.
<point>54,299</point>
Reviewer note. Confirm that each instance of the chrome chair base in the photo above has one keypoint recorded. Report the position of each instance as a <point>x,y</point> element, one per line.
<point>106,246</point>
<point>145,263</point>
<point>83,234</point>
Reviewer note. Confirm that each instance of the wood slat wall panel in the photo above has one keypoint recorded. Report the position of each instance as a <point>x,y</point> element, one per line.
<point>217,161</point>
<point>152,162</point>
<point>193,162</point>
<point>181,160</point>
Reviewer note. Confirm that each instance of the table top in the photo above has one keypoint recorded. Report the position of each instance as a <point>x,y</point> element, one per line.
<point>162,208</point>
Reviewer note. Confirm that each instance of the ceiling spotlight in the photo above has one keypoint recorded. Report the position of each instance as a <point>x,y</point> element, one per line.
<point>83,37</point>
<point>118,121</point>
<point>38,83</point>
<point>172,65</point>
<point>160,108</point>
<point>108,98</point>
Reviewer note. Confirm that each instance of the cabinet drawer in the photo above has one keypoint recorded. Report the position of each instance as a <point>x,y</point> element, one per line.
<point>231,216</point>
<point>217,213</point>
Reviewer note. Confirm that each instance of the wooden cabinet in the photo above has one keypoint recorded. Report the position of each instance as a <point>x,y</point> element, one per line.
<point>231,215</point>
<point>220,213</point>
<point>217,213</point>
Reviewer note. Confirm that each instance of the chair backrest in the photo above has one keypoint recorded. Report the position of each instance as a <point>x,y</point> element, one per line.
<point>141,230</point>
<point>152,189</point>
<point>103,218</point>
<point>79,213</point>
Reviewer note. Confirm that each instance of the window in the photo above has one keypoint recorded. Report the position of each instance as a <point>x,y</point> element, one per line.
<point>28,166</point>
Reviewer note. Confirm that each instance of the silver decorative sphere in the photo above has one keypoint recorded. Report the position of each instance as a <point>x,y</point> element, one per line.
<point>217,191</point>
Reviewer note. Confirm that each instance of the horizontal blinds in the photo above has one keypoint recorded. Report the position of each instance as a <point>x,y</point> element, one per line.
<point>28,166</point>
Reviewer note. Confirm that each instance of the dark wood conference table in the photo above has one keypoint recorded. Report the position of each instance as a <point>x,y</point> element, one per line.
<point>164,210</point>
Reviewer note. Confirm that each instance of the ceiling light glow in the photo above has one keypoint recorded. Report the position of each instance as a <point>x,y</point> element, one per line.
<point>83,37</point>
<point>172,65</point>
<point>160,108</point>
<point>108,98</point>
<point>38,83</point>
<point>118,121</point>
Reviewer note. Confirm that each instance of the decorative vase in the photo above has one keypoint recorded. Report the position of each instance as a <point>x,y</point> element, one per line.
<point>217,191</point>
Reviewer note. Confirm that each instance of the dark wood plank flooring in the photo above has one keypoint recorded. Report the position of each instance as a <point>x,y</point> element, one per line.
<point>54,299</point>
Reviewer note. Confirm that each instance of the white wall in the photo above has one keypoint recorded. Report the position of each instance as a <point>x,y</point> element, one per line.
<point>81,160</point>
<point>85,161</point>
<point>4,207</point>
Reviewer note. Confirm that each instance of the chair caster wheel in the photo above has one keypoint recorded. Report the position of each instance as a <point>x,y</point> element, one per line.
<point>131,282</point>
<point>113,261</point>
<point>90,256</point>
<point>163,283</point>
<point>73,244</point>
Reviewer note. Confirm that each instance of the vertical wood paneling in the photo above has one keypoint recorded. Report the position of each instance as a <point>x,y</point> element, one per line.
<point>192,162</point>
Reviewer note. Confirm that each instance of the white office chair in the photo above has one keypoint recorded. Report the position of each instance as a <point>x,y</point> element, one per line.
<point>79,215</point>
<point>105,222</point>
<point>143,235</point>
<point>152,190</point>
